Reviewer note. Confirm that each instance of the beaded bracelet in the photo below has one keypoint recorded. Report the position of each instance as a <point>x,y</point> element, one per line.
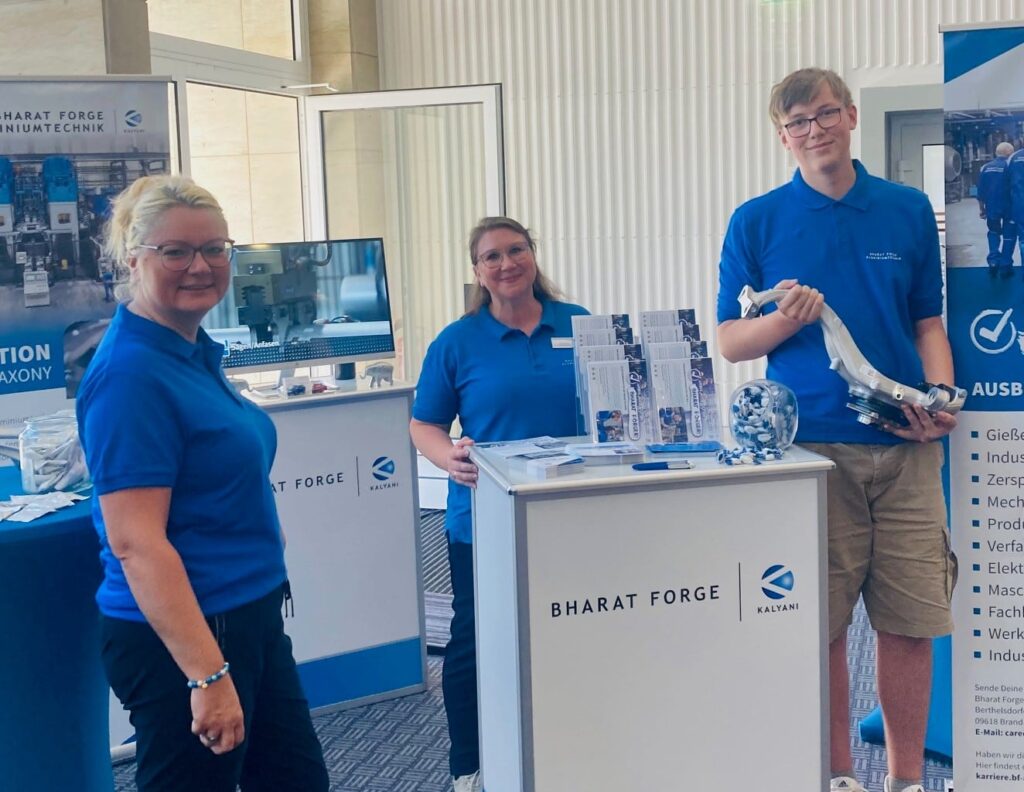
<point>202,684</point>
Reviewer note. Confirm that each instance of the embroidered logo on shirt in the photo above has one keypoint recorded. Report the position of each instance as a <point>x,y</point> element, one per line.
<point>880,256</point>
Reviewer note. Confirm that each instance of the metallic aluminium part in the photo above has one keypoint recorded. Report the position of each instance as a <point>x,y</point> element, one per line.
<point>875,398</point>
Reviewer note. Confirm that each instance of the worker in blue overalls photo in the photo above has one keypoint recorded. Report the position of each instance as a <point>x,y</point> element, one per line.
<point>994,208</point>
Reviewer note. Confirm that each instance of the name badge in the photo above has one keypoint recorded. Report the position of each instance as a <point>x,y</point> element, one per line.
<point>561,343</point>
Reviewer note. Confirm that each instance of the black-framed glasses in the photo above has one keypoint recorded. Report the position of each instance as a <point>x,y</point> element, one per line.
<point>178,256</point>
<point>492,258</point>
<point>826,119</point>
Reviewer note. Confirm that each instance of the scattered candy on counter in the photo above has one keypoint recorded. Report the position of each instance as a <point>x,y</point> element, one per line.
<point>742,456</point>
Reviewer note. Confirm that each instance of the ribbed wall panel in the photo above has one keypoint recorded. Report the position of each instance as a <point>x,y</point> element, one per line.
<point>633,128</point>
<point>437,153</point>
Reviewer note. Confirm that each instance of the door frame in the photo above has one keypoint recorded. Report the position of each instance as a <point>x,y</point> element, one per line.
<point>874,105</point>
<point>311,128</point>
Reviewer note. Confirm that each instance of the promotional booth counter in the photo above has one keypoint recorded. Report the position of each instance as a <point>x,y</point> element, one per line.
<point>635,628</point>
<point>345,479</point>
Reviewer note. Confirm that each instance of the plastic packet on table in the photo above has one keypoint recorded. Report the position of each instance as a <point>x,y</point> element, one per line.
<point>49,500</point>
<point>32,511</point>
<point>51,454</point>
<point>7,509</point>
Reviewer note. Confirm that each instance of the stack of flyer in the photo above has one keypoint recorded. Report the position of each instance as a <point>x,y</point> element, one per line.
<point>607,453</point>
<point>682,377</point>
<point>550,464</point>
<point>612,380</point>
<point>538,457</point>
<point>660,390</point>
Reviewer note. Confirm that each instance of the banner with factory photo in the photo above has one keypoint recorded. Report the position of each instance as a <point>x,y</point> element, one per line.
<point>984,109</point>
<point>67,147</point>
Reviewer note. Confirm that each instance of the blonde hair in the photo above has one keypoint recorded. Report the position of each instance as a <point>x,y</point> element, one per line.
<point>139,207</point>
<point>479,297</point>
<point>800,87</point>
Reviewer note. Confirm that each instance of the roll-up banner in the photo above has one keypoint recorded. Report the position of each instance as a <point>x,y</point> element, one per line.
<point>67,147</point>
<point>984,173</point>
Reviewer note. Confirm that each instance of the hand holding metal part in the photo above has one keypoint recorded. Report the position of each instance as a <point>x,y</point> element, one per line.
<point>877,399</point>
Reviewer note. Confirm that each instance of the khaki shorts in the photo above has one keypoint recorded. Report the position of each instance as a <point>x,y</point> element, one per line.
<point>887,538</point>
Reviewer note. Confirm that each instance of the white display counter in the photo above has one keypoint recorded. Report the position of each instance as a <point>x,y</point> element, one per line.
<point>655,630</point>
<point>345,480</point>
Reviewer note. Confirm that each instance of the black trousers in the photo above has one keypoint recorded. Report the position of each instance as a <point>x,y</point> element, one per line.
<point>458,675</point>
<point>280,753</point>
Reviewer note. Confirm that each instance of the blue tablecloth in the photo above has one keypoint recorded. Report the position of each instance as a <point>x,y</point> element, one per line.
<point>54,732</point>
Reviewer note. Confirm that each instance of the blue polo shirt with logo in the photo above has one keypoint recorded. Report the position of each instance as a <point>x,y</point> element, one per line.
<point>154,410</point>
<point>501,384</point>
<point>874,254</point>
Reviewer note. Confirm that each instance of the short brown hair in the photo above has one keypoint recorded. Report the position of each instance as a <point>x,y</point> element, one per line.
<point>800,87</point>
<point>543,288</point>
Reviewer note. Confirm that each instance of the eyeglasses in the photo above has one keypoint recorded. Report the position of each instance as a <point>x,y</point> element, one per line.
<point>826,119</point>
<point>178,256</point>
<point>492,258</point>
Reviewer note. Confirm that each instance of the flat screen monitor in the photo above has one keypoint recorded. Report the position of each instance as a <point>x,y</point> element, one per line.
<point>297,304</point>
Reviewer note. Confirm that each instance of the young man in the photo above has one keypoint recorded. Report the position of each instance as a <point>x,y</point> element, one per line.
<point>994,206</point>
<point>872,248</point>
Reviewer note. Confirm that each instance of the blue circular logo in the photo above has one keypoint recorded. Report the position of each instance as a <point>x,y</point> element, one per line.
<point>133,118</point>
<point>383,468</point>
<point>777,581</point>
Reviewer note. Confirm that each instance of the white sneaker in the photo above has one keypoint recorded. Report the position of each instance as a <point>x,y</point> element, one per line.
<point>467,783</point>
<point>914,788</point>
<point>845,784</point>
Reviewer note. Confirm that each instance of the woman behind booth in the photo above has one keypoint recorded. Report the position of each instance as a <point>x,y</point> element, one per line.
<point>502,372</point>
<point>192,551</point>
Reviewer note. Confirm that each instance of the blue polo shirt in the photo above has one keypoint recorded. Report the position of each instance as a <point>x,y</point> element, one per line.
<point>154,410</point>
<point>501,384</point>
<point>1015,168</point>
<point>874,254</point>
<point>994,188</point>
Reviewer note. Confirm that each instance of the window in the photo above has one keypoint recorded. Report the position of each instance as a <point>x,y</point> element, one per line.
<point>264,27</point>
<point>244,148</point>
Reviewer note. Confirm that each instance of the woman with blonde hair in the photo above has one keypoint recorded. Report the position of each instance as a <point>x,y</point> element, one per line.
<point>504,372</point>
<point>192,550</point>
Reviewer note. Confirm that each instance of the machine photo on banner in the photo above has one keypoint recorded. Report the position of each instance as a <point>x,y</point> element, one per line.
<point>67,147</point>
<point>984,112</point>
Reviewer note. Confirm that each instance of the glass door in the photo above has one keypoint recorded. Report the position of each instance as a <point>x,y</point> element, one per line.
<point>418,168</point>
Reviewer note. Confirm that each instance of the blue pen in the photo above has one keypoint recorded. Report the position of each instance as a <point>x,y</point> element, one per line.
<point>678,464</point>
<point>684,448</point>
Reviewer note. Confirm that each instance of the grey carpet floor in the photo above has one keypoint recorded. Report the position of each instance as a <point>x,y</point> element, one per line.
<point>402,745</point>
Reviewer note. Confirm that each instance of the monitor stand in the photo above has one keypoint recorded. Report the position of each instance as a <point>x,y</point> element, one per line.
<point>345,376</point>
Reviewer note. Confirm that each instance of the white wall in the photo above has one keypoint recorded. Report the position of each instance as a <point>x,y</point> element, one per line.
<point>634,127</point>
<point>53,37</point>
